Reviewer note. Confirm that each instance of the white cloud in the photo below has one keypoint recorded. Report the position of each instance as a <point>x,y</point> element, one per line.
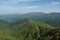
<point>22,9</point>
<point>23,0</point>
<point>26,9</point>
<point>53,4</point>
<point>16,1</point>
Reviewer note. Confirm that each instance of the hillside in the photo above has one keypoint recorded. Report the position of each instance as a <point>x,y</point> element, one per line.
<point>27,29</point>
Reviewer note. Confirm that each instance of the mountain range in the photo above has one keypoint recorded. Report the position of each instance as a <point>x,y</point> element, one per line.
<point>50,18</point>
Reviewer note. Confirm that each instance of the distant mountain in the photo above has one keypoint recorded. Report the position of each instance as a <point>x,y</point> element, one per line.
<point>50,18</point>
<point>53,19</point>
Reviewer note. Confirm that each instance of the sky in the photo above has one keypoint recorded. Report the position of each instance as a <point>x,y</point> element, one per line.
<point>25,6</point>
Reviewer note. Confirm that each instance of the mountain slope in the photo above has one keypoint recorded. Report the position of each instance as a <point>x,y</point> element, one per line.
<point>28,29</point>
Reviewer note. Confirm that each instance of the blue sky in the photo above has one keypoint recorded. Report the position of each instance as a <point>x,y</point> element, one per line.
<point>25,6</point>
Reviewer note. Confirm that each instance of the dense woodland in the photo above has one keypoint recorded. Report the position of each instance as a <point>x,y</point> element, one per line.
<point>32,26</point>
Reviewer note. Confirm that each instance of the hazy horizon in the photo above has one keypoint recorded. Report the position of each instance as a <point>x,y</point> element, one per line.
<point>26,13</point>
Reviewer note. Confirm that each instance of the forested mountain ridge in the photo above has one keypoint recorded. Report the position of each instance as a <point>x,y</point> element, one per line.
<point>28,29</point>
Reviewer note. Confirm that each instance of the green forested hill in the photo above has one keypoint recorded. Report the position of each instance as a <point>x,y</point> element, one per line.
<point>28,29</point>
